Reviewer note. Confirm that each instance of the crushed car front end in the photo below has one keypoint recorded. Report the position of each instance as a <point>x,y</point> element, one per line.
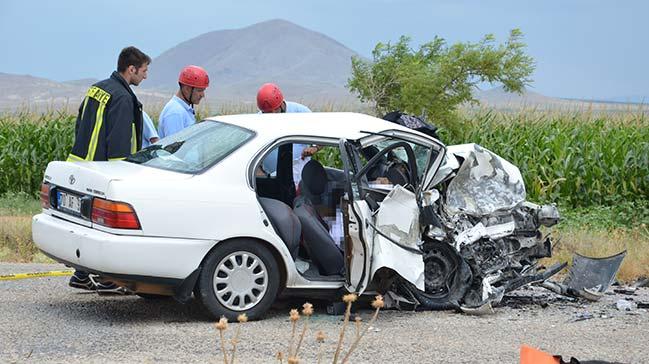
<point>479,237</point>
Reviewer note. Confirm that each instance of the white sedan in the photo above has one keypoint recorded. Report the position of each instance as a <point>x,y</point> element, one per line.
<point>231,211</point>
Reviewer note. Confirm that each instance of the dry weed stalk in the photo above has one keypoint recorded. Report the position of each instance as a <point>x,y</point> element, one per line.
<point>348,299</point>
<point>320,338</point>
<point>242,319</point>
<point>294,315</point>
<point>222,325</point>
<point>307,311</point>
<point>378,304</point>
<point>293,348</point>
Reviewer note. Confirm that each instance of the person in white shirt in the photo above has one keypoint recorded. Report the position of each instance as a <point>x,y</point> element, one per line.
<point>179,113</point>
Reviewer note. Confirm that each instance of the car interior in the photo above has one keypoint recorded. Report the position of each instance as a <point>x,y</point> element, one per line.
<point>308,216</point>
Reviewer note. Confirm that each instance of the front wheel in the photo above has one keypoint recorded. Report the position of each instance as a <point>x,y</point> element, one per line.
<point>238,276</point>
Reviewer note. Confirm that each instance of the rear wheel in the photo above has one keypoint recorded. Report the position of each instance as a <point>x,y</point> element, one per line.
<point>238,276</point>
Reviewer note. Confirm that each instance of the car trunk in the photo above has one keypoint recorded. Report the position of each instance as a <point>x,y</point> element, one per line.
<point>75,184</point>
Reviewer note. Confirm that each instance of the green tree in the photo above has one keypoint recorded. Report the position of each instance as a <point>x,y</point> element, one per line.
<point>437,78</point>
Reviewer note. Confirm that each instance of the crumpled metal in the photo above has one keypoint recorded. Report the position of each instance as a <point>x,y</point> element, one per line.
<point>484,184</point>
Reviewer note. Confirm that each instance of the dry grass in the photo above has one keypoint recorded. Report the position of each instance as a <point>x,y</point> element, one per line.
<point>16,244</point>
<point>596,243</point>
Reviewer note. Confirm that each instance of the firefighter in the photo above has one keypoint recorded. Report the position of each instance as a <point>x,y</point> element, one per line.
<point>109,126</point>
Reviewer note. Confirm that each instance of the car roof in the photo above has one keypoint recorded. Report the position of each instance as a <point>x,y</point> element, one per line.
<point>338,125</point>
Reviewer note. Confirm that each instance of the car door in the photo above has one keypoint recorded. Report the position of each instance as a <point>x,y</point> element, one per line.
<point>357,237</point>
<point>390,228</point>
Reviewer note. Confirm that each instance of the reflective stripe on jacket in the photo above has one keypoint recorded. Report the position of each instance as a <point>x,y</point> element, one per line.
<point>109,123</point>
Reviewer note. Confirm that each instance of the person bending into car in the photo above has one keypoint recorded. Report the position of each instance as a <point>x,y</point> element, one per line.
<point>109,127</point>
<point>270,100</point>
<point>179,113</point>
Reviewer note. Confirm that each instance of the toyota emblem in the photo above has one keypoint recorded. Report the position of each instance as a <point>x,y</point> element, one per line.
<point>72,179</point>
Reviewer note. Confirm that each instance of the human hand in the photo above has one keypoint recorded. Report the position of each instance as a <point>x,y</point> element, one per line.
<point>309,151</point>
<point>381,181</point>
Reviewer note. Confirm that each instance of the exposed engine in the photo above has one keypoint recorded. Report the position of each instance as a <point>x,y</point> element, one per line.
<point>482,239</point>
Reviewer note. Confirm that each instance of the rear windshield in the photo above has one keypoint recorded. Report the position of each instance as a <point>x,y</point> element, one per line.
<point>193,149</point>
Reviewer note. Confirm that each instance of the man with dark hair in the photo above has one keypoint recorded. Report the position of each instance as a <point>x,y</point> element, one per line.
<point>109,125</point>
<point>178,113</point>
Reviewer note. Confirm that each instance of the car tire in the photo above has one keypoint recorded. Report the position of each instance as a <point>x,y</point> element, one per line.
<point>238,276</point>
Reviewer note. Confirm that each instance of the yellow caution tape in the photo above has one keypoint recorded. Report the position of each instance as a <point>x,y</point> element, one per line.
<point>54,273</point>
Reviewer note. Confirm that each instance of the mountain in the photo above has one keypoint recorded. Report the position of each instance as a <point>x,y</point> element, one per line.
<point>633,99</point>
<point>499,98</point>
<point>307,65</point>
<point>20,91</point>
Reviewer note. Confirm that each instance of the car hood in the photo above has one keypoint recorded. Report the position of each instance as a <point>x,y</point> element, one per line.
<point>94,177</point>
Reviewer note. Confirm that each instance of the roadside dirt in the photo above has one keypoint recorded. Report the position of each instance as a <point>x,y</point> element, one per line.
<point>43,320</point>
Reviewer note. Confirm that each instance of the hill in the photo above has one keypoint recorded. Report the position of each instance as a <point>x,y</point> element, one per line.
<point>306,64</point>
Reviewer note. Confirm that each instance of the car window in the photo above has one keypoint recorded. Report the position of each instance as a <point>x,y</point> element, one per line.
<point>193,149</point>
<point>422,153</point>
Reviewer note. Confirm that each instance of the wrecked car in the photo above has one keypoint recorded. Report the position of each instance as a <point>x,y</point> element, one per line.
<point>229,211</point>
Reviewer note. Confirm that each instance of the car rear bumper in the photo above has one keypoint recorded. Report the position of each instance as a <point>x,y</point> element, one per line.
<point>102,252</point>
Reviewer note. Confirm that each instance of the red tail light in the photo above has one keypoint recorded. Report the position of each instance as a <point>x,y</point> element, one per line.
<point>117,215</point>
<point>45,196</point>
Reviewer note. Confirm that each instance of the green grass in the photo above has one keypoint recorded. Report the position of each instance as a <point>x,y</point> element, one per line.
<point>19,203</point>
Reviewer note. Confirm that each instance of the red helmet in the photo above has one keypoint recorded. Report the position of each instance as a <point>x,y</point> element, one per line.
<point>194,76</point>
<point>269,97</point>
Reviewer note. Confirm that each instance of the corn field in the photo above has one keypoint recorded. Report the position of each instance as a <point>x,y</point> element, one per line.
<point>27,143</point>
<point>575,159</point>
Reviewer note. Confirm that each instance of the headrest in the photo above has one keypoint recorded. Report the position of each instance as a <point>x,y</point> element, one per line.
<point>314,177</point>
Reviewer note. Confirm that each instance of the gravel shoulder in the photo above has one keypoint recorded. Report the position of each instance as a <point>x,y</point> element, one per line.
<point>43,320</point>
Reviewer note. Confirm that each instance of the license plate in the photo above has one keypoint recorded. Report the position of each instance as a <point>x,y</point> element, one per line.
<point>68,202</point>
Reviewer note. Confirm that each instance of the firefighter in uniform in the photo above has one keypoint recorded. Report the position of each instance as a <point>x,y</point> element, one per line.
<point>109,127</point>
<point>109,123</point>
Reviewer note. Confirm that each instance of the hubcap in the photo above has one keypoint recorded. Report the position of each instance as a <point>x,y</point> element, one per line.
<point>240,281</point>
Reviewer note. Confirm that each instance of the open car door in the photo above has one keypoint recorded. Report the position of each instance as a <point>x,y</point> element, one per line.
<point>385,195</point>
<point>356,212</point>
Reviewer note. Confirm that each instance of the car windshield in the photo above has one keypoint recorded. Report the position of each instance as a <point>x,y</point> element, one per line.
<point>193,149</point>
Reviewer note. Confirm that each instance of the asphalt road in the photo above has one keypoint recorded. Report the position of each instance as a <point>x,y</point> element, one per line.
<point>43,320</point>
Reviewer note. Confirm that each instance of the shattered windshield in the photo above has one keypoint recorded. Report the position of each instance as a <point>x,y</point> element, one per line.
<point>422,154</point>
<point>485,183</point>
<point>193,149</point>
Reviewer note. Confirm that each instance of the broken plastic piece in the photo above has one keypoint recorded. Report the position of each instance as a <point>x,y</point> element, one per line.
<point>594,274</point>
<point>592,294</point>
<point>624,305</point>
<point>485,309</point>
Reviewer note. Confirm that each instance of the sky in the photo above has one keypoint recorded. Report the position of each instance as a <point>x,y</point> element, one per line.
<point>583,49</point>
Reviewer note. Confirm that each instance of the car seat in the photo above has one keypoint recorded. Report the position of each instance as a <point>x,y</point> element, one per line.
<point>322,249</point>
<point>284,221</point>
